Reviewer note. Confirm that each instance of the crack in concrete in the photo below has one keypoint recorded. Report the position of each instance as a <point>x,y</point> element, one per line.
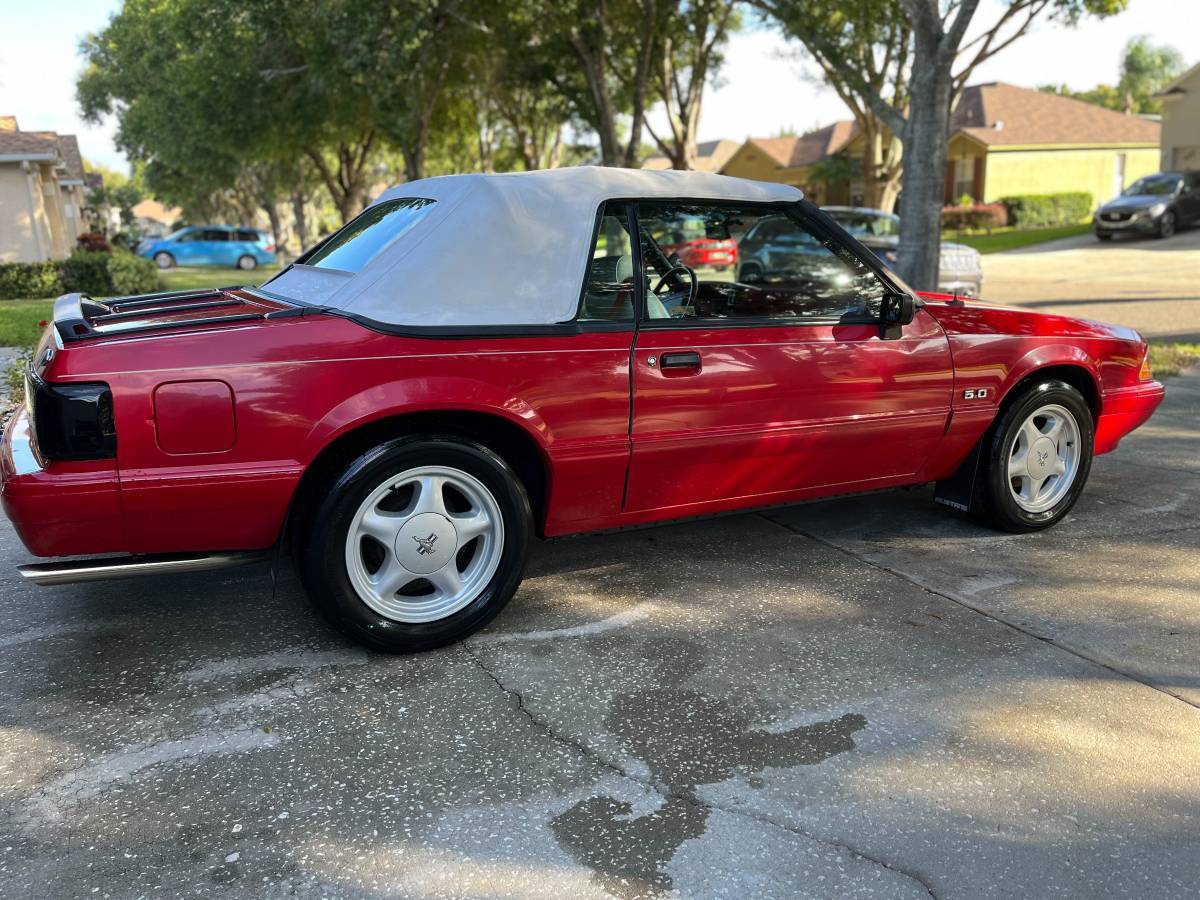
<point>668,791</point>
<point>1078,652</point>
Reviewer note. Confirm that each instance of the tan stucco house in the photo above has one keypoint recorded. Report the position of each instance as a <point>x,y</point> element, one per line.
<point>710,156</point>
<point>1181,122</point>
<point>41,193</point>
<point>1007,140</point>
<point>790,160</point>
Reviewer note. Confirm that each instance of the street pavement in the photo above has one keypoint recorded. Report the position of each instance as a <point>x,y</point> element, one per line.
<point>1150,284</point>
<point>871,697</point>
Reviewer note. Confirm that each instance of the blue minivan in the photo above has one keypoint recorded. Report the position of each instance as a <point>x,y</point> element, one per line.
<point>210,245</point>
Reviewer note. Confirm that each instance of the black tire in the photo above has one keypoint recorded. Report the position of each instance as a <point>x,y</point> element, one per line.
<point>247,263</point>
<point>164,260</point>
<point>1166,225</point>
<point>321,544</point>
<point>994,503</point>
<point>1103,236</point>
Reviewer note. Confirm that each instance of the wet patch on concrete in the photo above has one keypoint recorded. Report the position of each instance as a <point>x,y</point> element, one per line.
<point>685,739</point>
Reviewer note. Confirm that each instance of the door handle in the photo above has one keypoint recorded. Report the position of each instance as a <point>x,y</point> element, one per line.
<point>685,360</point>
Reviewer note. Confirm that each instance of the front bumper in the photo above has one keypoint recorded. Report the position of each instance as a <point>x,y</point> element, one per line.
<point>1124,410</point>
<point>58,508</point>
<point>1139,223</point>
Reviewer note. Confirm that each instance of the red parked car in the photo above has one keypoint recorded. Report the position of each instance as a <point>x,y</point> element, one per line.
<point>689,239</point>
<point>406,419</point>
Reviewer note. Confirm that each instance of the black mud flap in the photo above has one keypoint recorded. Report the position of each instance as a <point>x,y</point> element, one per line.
<point>958,490</point>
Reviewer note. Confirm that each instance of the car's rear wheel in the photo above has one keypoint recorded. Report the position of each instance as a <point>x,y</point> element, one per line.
<point>164,260</point>
<point>247,263</point>
<point>1166,225</point>
<point>1036,459</point>
<point>419,543</point>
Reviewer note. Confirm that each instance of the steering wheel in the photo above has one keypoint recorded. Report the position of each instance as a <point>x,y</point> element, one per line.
<point>677,267</point>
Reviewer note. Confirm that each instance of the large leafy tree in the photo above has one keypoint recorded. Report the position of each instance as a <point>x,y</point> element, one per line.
<point>691,54</point>
<point>862,49</point>
<point>1146,70</point>
<point>940,60</point>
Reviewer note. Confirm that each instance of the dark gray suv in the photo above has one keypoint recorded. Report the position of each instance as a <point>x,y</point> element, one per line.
<point>1155,205</point>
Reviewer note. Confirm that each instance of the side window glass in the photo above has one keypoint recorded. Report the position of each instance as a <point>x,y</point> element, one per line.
<point>750,262</point>
<point>609,282</point>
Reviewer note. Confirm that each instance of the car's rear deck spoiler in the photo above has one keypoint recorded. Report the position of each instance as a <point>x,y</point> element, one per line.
<point>78,316</point>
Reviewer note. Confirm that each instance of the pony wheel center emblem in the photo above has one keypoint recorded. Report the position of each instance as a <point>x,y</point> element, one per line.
<point>425,544</point>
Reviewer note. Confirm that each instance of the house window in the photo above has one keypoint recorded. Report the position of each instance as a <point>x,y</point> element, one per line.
<point>964,177</point>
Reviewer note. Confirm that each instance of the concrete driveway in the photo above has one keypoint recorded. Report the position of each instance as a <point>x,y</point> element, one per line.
<point>1152,285</point>
<point>869,698</point>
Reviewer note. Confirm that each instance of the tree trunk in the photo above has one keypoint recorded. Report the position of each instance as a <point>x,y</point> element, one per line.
<point>924,167</point>
<point>300,220</point>
<point>271,208</point>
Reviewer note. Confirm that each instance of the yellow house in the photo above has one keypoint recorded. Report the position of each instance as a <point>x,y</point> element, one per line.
<point>1007,140</point>
<point>1181,122</point>
<point>41,193</point>
<point>789,160</point>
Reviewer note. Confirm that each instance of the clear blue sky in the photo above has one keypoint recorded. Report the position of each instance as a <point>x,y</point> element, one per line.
<point>762,87</point>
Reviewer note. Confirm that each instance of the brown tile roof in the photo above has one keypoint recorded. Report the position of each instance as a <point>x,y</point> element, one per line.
<point>998,114</point>
<point>8,123</point>
<point>28,144</point>
<point>68,149</point>
<point>790,152</point>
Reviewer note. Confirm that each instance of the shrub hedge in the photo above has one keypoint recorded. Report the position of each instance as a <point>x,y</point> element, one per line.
<point>977,216</point>
<point>96,273</point>
<point>1047,210</point>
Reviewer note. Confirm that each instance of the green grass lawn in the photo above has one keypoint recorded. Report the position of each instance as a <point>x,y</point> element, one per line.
<point>186,278</point>
<point>1013,238</point>
<point>1171,359</point>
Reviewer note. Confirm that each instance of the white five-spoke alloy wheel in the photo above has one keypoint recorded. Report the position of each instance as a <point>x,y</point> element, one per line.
<point>424,544</point>
<point>1044,458</point>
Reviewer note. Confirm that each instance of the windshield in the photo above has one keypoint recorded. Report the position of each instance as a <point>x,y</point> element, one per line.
<point>866,224</point>
<point>1153,184</point>
<point>361,240</point>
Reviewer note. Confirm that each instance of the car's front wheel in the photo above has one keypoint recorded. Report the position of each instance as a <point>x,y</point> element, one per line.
<point>419,543</point>
<point>1036,459</point>
<point>1166,225</point>
<point>164,260</point>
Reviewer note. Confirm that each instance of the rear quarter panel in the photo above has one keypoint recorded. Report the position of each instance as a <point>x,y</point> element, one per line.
<point>300,383</point>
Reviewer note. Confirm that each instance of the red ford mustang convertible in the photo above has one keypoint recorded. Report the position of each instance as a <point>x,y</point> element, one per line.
<point>406,416</point>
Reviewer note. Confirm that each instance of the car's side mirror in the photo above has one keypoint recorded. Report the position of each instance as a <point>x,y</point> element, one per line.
<point>897,309</point>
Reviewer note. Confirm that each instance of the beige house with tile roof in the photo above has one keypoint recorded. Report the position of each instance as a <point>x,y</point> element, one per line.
<point>1181,122</point>
<point>710,156</point>
<point>789,160</point>
<point>1007,140</point>
<point>41,193</point>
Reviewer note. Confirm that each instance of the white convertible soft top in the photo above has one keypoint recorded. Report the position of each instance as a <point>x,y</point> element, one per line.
<point>506,249</point>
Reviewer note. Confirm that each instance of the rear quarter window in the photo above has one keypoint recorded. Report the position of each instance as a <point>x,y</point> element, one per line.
<point>362,239</point>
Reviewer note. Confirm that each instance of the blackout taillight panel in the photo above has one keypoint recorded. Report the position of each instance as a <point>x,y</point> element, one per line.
<point>71,421</point>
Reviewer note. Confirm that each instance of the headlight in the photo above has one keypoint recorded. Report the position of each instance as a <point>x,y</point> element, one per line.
<point>1157,209</point>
